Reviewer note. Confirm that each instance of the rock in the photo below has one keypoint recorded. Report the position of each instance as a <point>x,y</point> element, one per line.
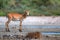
<point>34,35</point>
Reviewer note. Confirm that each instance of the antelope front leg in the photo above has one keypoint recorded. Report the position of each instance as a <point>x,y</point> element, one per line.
<point>7,27</point>
<point>20,29</point>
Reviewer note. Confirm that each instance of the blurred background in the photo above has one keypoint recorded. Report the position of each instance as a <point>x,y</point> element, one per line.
<point>36,7</point>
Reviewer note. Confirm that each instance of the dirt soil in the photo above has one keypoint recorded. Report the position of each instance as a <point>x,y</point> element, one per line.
<point>19,37</point>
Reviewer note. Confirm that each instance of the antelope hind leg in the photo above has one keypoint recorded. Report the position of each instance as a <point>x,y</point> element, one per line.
<point>7,27</point>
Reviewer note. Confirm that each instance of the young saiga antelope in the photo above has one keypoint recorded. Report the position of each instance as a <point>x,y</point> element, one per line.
<point>15,16</point>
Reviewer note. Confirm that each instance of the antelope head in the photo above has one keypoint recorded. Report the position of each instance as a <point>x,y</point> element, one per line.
<point>27,12</point>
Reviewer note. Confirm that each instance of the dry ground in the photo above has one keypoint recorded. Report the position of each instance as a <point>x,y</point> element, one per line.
<point>22,38</point>
<point>16,35</point>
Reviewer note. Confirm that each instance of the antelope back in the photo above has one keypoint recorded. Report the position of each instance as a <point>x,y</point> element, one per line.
<point>14,16</point>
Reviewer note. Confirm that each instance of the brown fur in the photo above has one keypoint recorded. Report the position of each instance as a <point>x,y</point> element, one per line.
<point>34,35</point>
<point>16,16</point>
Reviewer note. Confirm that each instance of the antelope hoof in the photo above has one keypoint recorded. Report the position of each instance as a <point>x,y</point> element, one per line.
<point>7,30</point>
<point>20,30</point>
